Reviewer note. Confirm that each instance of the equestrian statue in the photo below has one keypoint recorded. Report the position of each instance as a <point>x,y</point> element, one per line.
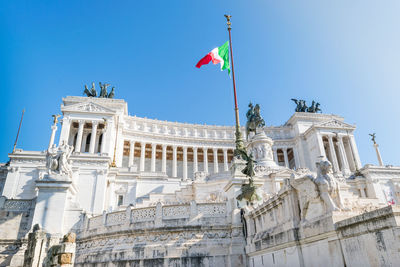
<point>254,119</point>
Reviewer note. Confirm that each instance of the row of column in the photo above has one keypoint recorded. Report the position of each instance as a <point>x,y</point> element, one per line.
<point>81,136</point>
<point>175,158</point>
<point>285,155</point>
<point>340,161</point>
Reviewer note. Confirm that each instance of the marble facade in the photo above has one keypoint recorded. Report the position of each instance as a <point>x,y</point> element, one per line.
<point>147,192</point>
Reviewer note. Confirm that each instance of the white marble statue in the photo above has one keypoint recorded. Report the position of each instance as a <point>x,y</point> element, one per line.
<point>57,159</point>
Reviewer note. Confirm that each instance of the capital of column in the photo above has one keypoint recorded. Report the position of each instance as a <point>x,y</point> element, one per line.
<point>142,144</point>
<point>132,142</point>
<point>95,123</point>
<point>81,123</point>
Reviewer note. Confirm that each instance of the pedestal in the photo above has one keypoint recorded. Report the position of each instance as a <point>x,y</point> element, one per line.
<point>51,202</point>
<point>260,146</point>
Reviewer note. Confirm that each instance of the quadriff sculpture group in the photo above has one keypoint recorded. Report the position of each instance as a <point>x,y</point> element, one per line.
<point>312,190</point>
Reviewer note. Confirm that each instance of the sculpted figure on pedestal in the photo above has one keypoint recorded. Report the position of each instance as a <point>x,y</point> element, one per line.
<point>254,119</point>
<point>323,187</point>
<point>57,159</point>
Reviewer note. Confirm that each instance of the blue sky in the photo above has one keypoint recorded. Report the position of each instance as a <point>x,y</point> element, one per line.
<point>344,54</point>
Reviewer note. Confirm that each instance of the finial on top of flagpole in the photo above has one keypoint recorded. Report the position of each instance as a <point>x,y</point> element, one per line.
<point>228,21</point>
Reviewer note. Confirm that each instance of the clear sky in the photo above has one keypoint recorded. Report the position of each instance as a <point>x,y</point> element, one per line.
<point>344,54</point>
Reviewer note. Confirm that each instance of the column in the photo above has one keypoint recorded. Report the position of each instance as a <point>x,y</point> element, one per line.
<point>78,145</point>
<point>215,156</point>
<point>285,157</point>
<point>153,157</point>
<point>131,152</point>
<point>205,159</point>
<point>103,141</point>
<point>142,155</point>
<point>65,128</point>
<point>93,137</point>
<point>296,158</point>
<point>321,145</point>
<point>355,152</point>
<point>184,163</point>
<point>164,159</point>
<point>53,134</point>
<point>195,163</point>
<point>84,137</point>
<point>275,154</point>
<point>378,154</point>
<point>342,156</point>
<point>174,161</point>
<point>226,167</point>
<point>332,154</point>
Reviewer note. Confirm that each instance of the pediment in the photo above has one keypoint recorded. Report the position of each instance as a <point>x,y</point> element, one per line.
<point>335,124</point>
<point>87,107</point>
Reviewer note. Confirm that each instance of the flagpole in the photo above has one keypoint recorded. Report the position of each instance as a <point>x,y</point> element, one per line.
<point>19,128</point>
<point>239,140</point>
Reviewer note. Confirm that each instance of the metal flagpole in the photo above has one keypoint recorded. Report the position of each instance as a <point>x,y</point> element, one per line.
<point>239,140</point>
<point>19,128</point>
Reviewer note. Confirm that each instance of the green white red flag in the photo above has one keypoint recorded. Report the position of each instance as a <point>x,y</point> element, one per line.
<point>217,55</point>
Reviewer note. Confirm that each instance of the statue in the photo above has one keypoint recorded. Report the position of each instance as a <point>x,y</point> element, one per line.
<point>314,107</point>
<point>301,105</point>
<point>55,118</point>
<point>324,187</point>
<point>111,94</point>
<point>93,90</point>
<point>248,190</point>
<point>373,136</point>
<point>254,119</point>
<point>57,159</point>
<point>103,89</point>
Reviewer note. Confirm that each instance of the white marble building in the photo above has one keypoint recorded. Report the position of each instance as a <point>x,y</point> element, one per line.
<point>177,182</point>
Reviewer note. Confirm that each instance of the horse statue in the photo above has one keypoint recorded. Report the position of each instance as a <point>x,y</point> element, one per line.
<point>254,119</point>
<point>314,107</point>
<point>103,90</point>
<point>301,105</point>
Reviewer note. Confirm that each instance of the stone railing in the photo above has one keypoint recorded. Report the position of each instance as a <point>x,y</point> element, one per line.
<point>15,204</point>
<point>157,216</point>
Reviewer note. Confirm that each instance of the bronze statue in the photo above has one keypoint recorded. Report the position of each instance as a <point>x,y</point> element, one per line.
<point>248,190</point>
<point>314,107</point>
<point>301,106</point>
<point>373,136</point>
<point>103,89</point>
<point>93,90</point>
<point>254,119</point>
<point>55,118</point>
<point>111,94</point>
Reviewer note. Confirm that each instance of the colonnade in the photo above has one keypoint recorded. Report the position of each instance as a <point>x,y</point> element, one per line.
<point>286,150</point>
<point>341,152</point>
<point>80,137</point>
<point>195,153</point>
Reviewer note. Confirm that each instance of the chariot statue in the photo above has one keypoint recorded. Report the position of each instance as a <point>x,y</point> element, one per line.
<point>301,106</point>
<point>254,119</point>
<point>103,91</point>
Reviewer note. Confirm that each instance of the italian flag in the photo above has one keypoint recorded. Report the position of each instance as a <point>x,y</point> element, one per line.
<point>217,55</point>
